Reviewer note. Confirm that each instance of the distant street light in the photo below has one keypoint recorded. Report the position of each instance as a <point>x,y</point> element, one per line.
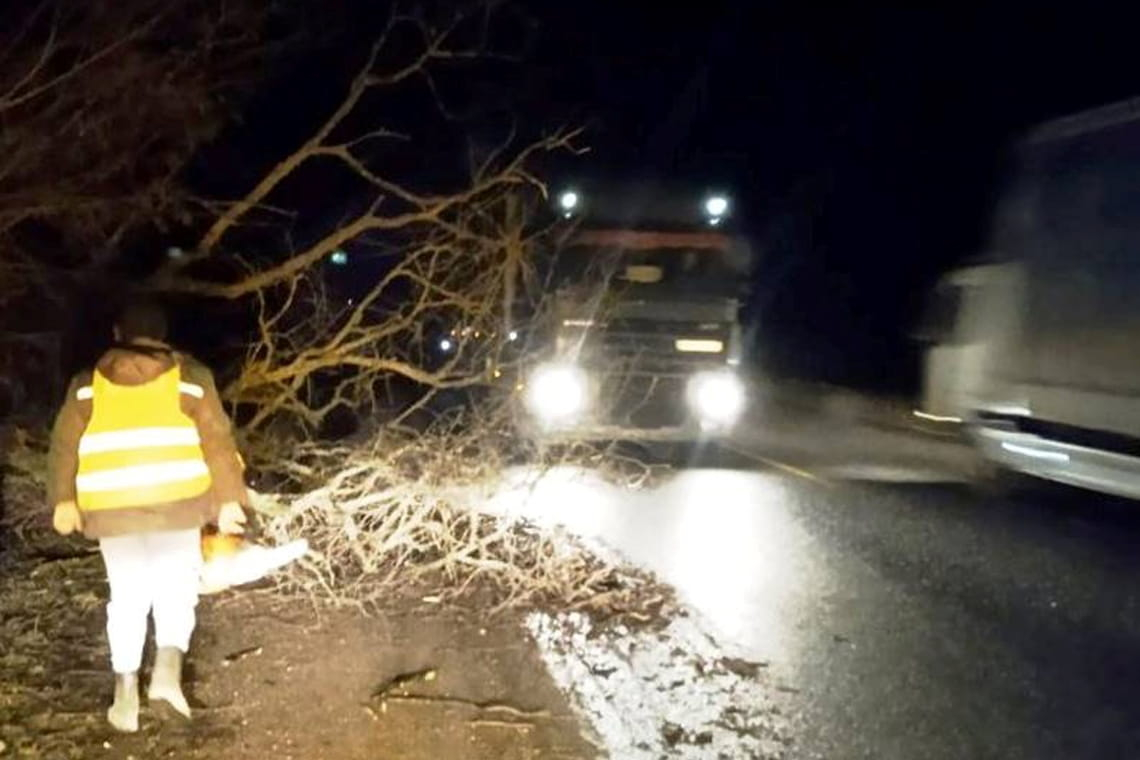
<point>339,258</point>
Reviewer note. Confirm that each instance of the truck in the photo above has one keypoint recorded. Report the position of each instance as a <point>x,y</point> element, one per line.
<point>1037,347</point>
<point>642,336</point>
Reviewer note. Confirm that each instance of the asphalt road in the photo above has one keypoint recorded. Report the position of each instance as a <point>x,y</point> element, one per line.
<point>900,619</point>
<point>925,621</point>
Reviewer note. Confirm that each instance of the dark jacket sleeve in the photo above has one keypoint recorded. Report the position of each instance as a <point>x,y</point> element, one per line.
<point>63,456</point>
<point>217,437</point>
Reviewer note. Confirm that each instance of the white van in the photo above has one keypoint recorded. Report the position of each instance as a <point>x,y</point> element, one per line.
<point>1040,355</point>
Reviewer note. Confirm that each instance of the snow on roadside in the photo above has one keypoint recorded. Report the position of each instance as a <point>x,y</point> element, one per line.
<point>661,693</point>
<point>647,694</point>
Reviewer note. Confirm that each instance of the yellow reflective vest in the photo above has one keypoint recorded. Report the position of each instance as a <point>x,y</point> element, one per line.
<point>139,448</point>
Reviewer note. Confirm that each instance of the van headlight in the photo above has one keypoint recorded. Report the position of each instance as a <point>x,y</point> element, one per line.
<point>557,393</point>
<point>717,398</point>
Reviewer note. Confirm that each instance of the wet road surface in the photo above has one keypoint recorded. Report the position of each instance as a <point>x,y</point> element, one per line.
<point>901,620</point>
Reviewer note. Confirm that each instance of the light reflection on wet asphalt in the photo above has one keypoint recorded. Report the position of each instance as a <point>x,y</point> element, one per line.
<point>903,620</point>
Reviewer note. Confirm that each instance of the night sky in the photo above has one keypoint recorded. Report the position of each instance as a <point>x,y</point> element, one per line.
<point>863,146</point>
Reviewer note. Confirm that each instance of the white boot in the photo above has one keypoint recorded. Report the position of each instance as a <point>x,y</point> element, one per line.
<point>166,680</point>
<point>123,714</point>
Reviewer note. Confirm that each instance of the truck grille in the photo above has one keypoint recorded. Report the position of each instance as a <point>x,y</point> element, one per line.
<point>638,348</point>
<point>643,401</point>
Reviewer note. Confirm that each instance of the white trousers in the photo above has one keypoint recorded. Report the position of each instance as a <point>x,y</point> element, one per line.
<point>150,571</point>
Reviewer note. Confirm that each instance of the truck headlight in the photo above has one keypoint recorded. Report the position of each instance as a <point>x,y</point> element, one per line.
<point>557,392</point>
<point>717,397</point>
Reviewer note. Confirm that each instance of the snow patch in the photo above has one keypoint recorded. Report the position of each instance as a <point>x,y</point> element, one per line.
<point>669,693</point>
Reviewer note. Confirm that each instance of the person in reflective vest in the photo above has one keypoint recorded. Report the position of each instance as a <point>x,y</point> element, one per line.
<point>142,458</point>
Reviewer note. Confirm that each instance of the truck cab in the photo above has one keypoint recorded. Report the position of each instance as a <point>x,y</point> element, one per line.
<point>642,337</point>
<point>970,313</point>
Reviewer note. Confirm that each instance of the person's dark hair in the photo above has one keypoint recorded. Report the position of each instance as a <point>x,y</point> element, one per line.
<point>141,319</point>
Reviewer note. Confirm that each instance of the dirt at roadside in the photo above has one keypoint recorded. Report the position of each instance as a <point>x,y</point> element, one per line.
<point>270,679</point>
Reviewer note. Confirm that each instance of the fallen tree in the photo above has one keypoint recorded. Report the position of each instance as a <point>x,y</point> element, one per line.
<point>405,513</point>
<point>391,508</point>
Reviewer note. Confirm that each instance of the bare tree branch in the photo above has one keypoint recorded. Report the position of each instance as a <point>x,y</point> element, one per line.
<point>14,97</point>
<point>434,48</point>
<point>431,210</point>
<point>82,165</point>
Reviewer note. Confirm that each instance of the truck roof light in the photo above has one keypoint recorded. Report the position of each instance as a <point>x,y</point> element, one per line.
<point>716,206</point>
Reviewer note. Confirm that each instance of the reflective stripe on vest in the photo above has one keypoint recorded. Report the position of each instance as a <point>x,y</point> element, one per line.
<point>86,393</point>
<point>139,448</point>
<point>141,475</point>
<point>139,438</point>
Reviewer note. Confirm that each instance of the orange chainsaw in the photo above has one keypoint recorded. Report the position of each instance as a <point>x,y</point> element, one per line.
<point>230,560</point>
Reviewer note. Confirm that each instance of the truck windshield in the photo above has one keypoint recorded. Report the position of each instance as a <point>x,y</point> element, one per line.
<point>650,273</point>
